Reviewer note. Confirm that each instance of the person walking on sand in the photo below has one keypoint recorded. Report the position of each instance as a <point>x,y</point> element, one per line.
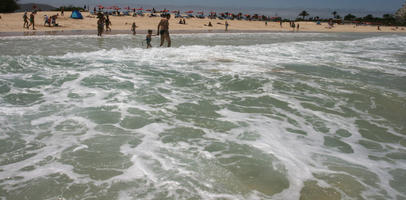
<point>32,21</point>
<point>226,24</point>
<point>163,29</point>
<point>133,28</point>
<point>108,23</point>
<point>62,10</point>
<point>46,20</point>
<point>297,27</point>
<point>25,17</point>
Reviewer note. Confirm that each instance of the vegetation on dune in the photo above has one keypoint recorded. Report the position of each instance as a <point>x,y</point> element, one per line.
<point>69,8</point>
<point>8,6</point>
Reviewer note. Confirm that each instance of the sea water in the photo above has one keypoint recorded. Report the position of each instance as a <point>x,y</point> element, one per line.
<point>217,116</point>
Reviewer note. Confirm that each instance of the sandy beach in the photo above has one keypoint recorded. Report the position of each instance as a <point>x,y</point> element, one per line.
<point>12,24</point>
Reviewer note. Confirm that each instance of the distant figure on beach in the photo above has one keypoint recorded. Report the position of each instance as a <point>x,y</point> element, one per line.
<point>108,23</point>
<point>379,28</point>
<point>266,23</point>
<point>133,28</point>
<point>226,24</point>
<point>210,24</point>
<point>100,26</point>
<point>297,27</point>
<point>280,23</point>
<point>163,29</point>
<point>180,21</point>
<point>32,21</point>
<point>62,10</point>
<point>52,19</point>
<point>46,20</point>
<point>149,38</point>
<point>184,21</point>
<point>25,17</point>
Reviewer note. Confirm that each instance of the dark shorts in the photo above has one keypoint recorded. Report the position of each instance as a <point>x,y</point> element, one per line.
<point>162,32</point>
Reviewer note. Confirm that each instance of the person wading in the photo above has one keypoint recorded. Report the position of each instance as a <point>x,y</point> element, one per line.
<point>163,29</point>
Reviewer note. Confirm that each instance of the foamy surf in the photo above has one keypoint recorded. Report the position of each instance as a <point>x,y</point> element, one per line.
<point>218,116</point>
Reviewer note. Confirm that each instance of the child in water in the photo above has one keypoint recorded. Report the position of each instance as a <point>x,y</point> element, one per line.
<point>148,39</point>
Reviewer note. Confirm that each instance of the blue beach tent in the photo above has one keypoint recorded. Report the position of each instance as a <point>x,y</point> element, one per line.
<point>76,15</point>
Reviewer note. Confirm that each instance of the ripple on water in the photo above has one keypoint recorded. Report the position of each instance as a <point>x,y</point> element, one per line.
<point>101,115</point>
<point>23,99</point>
<point>99,161</point>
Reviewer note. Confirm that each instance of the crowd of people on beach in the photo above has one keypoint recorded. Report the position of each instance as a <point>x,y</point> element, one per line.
<point>104,23</point>
<point>30,20</point>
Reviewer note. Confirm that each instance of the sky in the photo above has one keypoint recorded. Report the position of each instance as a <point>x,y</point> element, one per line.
<point>370,5</point>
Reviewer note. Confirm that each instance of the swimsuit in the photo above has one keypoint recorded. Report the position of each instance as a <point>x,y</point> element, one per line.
<point>163,32</point>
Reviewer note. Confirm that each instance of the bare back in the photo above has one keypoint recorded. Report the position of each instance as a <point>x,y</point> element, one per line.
<point>164,24</point>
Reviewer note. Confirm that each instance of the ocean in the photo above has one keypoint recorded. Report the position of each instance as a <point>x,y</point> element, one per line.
<point>216,116</point>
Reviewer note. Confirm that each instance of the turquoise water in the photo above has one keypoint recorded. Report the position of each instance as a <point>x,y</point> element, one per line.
<point>218,116</point>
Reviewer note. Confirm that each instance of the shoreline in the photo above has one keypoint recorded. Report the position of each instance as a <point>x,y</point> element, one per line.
<point>11,24</point>
<point>173,32</point>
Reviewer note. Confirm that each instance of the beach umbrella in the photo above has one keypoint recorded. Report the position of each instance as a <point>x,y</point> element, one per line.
<point>149,10</point>
<point>100,6</point>
<point>200,13</point>
<point>164,11</point>
<point>127,8</point>
<point>174,11</point>
<point>140,9</point>
<point>190,11</point>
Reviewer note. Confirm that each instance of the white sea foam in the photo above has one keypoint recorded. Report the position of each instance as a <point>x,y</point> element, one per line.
<point>168,88</point>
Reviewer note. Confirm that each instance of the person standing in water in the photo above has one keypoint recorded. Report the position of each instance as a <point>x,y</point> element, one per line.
<point>133,28</point>
<point>149,38</point>
<point>226,24</point>
<point>100,26</point>
<point>163,30</point>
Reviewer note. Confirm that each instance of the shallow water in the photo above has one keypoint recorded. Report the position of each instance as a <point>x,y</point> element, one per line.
<point>218,116</point>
